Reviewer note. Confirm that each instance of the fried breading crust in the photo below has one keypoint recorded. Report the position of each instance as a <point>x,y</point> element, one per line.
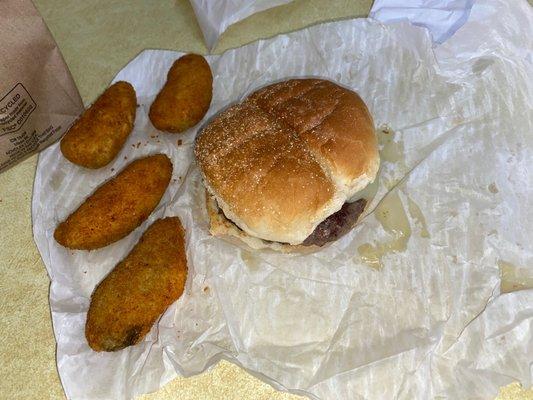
<point>129,300</point>
<point>185,97</point>
<point>98,135</point>
<point>118,206</point>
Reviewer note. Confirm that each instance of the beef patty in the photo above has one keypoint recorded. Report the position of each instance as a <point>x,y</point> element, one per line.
<point>332,228</point>
<point>337,224</point>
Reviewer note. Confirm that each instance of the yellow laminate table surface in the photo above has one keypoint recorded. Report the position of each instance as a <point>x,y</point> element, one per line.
<point>97,38</point>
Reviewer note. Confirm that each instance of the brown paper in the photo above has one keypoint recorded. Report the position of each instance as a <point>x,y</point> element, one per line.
<point>38,97</point>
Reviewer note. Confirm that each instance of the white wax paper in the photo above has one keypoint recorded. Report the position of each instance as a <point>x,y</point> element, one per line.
<point>441,17</point>
<point>430,323</point>
<point>214,17</point>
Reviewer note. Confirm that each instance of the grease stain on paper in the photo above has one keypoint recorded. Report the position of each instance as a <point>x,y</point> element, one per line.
<point>493,188</point>
<point>251,261</point>
<point>390,150</point>
<point>56,180</point>
<point>420,220</point>
<point>514,278</point>
<point>391,214</point>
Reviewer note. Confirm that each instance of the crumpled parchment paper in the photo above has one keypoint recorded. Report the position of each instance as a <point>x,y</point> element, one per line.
<point>441,17</point>
<point>431,322</point>
<point>214,17</point>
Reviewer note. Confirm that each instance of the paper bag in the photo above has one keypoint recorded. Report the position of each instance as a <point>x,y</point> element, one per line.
<point>38,98</point>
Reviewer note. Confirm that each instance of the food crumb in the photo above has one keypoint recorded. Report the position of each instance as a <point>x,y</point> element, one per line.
<point>493,188</point>
<point>206,289</point>
<point>180,142</point>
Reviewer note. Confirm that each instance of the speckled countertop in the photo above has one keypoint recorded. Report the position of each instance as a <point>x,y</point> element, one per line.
<point>97,38</point>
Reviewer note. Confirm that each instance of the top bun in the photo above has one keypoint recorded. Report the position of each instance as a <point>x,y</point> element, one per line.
<point>287,157</point>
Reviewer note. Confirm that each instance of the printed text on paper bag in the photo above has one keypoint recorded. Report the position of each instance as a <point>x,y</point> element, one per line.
<point>15,108</point>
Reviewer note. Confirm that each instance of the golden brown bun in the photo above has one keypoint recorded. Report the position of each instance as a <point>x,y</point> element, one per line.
<point>185,97</point>
<point>99,134</point>
<point>288,156</point>
<point>222,227</point>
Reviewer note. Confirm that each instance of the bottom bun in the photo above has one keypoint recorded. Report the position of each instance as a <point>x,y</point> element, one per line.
<point>222,227</point>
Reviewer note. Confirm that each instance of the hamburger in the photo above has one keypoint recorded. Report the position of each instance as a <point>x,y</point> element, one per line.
<point>284,169</point>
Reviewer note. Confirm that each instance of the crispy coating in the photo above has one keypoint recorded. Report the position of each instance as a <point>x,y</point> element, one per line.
<point>185,97</point>
<point>117,207</point>
<point>129,300</point>
<point>98,135</point>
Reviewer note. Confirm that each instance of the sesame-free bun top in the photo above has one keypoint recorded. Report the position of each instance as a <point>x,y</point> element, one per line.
<point>288,156</point>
